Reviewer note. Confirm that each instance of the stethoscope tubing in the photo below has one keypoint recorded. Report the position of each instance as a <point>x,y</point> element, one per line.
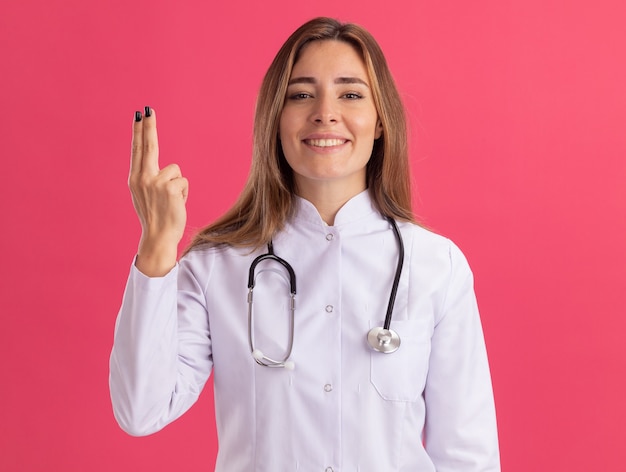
<point>270,255</point>
<point>396,279</point>
<point>381,339</point>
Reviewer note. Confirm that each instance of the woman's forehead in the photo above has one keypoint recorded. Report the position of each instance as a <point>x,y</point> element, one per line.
<point>335,56</point>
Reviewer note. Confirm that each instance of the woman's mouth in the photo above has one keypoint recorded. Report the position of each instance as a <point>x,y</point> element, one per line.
<point>325,142</point>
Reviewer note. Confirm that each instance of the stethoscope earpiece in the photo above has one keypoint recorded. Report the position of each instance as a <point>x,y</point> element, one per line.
<point>257,354</point>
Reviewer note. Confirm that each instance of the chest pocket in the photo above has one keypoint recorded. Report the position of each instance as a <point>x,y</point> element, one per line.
<point>401,375</point>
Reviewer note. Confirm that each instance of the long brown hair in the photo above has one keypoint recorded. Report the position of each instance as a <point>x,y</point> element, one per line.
<point>268,196</point>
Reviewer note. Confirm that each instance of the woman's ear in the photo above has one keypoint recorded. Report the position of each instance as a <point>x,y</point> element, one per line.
<point>379,129</point>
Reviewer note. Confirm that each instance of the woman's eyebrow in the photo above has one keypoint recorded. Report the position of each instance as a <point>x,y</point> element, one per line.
<point>350,80</point>
<point>302,80</point>
<point>338,80</point>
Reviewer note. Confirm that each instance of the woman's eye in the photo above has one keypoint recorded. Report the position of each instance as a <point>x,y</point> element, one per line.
<point>352,95</point>
<point>299,96</point>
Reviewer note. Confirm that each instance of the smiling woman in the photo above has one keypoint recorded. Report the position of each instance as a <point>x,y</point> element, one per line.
<point>310,387</point>
<point>329,124</point>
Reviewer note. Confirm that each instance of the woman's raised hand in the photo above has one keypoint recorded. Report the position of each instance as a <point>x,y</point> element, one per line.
<point>159,197</point>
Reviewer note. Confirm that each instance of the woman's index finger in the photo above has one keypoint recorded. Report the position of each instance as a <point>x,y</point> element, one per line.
<point>137,144</point>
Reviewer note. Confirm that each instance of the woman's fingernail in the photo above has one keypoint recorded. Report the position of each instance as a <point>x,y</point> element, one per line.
<point>148,112</point>
<point>137,116</point>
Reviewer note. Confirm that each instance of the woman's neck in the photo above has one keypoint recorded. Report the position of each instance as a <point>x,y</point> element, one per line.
<point>327,197</point>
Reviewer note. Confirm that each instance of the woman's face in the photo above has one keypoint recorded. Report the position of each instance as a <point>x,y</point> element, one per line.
<point>329,121</point>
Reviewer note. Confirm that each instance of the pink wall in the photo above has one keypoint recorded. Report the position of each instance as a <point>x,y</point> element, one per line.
<point>517,113</point>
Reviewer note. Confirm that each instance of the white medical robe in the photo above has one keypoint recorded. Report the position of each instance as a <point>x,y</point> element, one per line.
<point>426,407</point>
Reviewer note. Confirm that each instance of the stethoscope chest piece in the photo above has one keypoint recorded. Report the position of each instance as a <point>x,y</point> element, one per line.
<point>383,340</point>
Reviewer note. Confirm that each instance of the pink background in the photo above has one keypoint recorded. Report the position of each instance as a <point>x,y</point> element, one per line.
<point>517,111</point>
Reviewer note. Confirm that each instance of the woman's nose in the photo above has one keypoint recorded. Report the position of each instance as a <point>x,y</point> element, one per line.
<point>324,111</point>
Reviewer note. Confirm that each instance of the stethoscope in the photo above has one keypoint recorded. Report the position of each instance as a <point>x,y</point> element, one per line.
<point>380,339</point>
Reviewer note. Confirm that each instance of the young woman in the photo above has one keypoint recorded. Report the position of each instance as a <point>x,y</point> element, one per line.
<point>341,335</point>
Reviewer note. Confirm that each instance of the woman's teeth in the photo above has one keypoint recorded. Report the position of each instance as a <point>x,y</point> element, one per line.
<point>325,142</point>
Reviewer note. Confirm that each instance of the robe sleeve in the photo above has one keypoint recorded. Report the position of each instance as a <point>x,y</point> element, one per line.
<point>461,431</point>
<point>161,357</point>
